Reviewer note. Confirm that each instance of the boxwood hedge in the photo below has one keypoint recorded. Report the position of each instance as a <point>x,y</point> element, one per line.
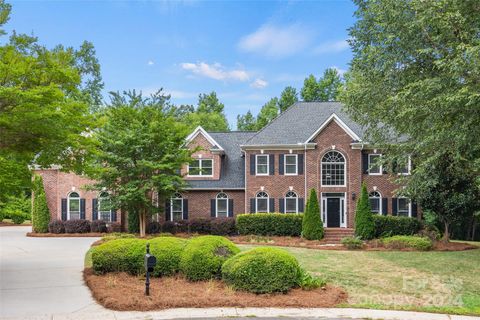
<point>270,224</point>
<point>386,226</point>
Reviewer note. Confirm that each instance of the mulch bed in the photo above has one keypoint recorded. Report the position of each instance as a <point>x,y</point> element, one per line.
<point>120,291</point>
<point>8,224</point>
<point>65,235</point>
<point>453,246</point>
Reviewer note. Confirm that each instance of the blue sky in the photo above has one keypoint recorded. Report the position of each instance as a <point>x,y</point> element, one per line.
<point>245,51</point>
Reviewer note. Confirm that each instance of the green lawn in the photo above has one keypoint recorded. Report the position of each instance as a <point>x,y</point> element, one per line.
<point>428,281</point>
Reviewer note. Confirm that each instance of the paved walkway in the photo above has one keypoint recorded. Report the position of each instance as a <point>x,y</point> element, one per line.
<point>41,278</point>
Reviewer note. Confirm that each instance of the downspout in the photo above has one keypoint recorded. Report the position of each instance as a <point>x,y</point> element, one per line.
<point>245,178</point>
<point>305,172</point>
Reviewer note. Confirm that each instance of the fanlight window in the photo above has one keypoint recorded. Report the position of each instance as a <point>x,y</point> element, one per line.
<point>291,202</point>
<point>262,202</point>
<point>333,169</point>
<point>73,206</point>
<point>222,205</point>
<point>375,201</point>
<point>176,207</point>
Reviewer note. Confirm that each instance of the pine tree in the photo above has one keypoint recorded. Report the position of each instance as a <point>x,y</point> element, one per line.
<point>312,225</point>
<point>40,212</point>
<point>364,224</point>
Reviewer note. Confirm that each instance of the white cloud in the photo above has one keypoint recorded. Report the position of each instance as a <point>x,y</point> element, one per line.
<point>215,71</point>
<point>340,71</point>
<point>331,47</point>
<point>259,83</point>
<point>150,63</point>
<point>276,41</point>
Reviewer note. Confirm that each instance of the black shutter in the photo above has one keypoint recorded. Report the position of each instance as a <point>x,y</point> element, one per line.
<point>230,208</point>
<point>167,211</point>
<point>271,158</point>
<point>64,209</point>
<point>82,209</point>
<point>281,163</point>
<point>384,206</point>
<point>94,209</point>
<point>414,209</point>
<point>252,205</point>
<point>185,209</point>
<point>113,213</point>
<point>213,208</point>
<point>252,164</point>
<point>281,205</point>
<point>300,163</point>
<point>365,162</point>
<point>394,206</point>
<point>301,205</point>
<point>272,205</point>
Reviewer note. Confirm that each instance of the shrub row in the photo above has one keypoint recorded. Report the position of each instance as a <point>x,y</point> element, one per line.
<point>402,242</point>
<point>270,224</point>
<point>217,226</point>
<point>386,226</point>
<point>82,226</point>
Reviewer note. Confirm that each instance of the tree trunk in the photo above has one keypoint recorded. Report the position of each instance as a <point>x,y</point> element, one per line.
<point>142,222</point>
<point>474,227</point>
<point>446,233</point>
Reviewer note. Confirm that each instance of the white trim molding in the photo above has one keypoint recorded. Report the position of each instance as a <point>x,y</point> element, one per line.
<point>216,146</point>
<point>339,121</point>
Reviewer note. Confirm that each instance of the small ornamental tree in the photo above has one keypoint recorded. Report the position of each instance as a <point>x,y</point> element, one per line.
<point>40,212</point>
<point>364,224</point>
<point>312,225</point>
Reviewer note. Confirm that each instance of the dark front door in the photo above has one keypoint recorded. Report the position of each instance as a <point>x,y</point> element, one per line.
<point>333,212</point>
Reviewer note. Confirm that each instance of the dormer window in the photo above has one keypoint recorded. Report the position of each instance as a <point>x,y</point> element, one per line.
<point>201,168</point>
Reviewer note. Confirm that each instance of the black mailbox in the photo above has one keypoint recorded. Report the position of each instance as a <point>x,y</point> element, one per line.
<point>150,262</point>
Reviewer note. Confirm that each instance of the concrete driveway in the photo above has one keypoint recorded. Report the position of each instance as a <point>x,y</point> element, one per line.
<point>42,275</point>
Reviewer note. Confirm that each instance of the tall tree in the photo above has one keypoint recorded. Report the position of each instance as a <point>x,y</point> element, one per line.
<point>246,122</point>
<point>45,98</point>
<point>329,85</point>
<point>140,151</point>
<point>310,90</point>
<point>415,79</point>
<point>288,97</point>
<point>268,112</point>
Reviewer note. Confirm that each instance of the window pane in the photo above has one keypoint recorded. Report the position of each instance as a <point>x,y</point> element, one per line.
<point>374,163</point>
<point>207,163</point>
<point>177,216</point>
<point>194,168</point>
<point>207,171</point>
<point>177,205</point>
<point>290,164</point>
<point>74,205</point>
<point>291,205</point>
<point>74,215</point>
<point>262,159</point>
<point>222,207</point>
<point>375,205</point>
<point>262,205</point>
<point>291,159</point>
<point>105,215</point>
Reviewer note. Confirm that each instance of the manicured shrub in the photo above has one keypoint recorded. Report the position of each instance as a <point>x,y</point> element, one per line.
<point>169,226</point>
<point>17,217</point>
<point>40,212</point>
<point>199,225</point>
<point>312,225</point>
<point>309,282</point>
<point>114,227</point>
<point>117,235</point>
<point>182,226</point>
<point>270,224</point>
<point>56,226</point>
<point>364,224</point>
<point>386,226</point>
<point>402,242</point>
<point>121,255</point>
<point>168,251</point>
<point>153,227</point>
<point>133,222</point>
<point>262,270</point>
<point>203,257</point>
<point>2,215</point>
<point>98,226</point>
<point>223,226</point>
<point>352,242</point>
<point>77,226</point>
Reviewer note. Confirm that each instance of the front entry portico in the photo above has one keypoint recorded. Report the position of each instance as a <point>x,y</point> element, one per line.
<point>333,210</point>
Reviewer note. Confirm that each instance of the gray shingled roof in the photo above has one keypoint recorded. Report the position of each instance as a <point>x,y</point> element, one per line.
<point>300,121</point>
<point>232,173</point>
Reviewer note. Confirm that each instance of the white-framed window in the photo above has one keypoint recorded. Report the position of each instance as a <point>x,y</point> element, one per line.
<point>262,203</point>
<point>374,166</point>
<point>291,164</point>
<point>291,202</point>
<point>405,167</point>
<point>404,207</point>
<point>73,206</point>
<point>375,199</point>
<point>201,168</point>
<point>222,205</point>
<point>262,165</point>
<point>333,169</point>
<point>104,207</point>
<point>176,207</point>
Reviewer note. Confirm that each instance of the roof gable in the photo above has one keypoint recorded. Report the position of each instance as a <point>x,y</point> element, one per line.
<point>338,121</point>
<point>206,135</point>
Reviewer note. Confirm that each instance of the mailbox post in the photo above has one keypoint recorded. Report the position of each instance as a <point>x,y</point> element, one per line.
<point>150,262</point>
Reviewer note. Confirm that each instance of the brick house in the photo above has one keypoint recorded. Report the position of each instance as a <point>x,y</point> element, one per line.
<point>310,145</point>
